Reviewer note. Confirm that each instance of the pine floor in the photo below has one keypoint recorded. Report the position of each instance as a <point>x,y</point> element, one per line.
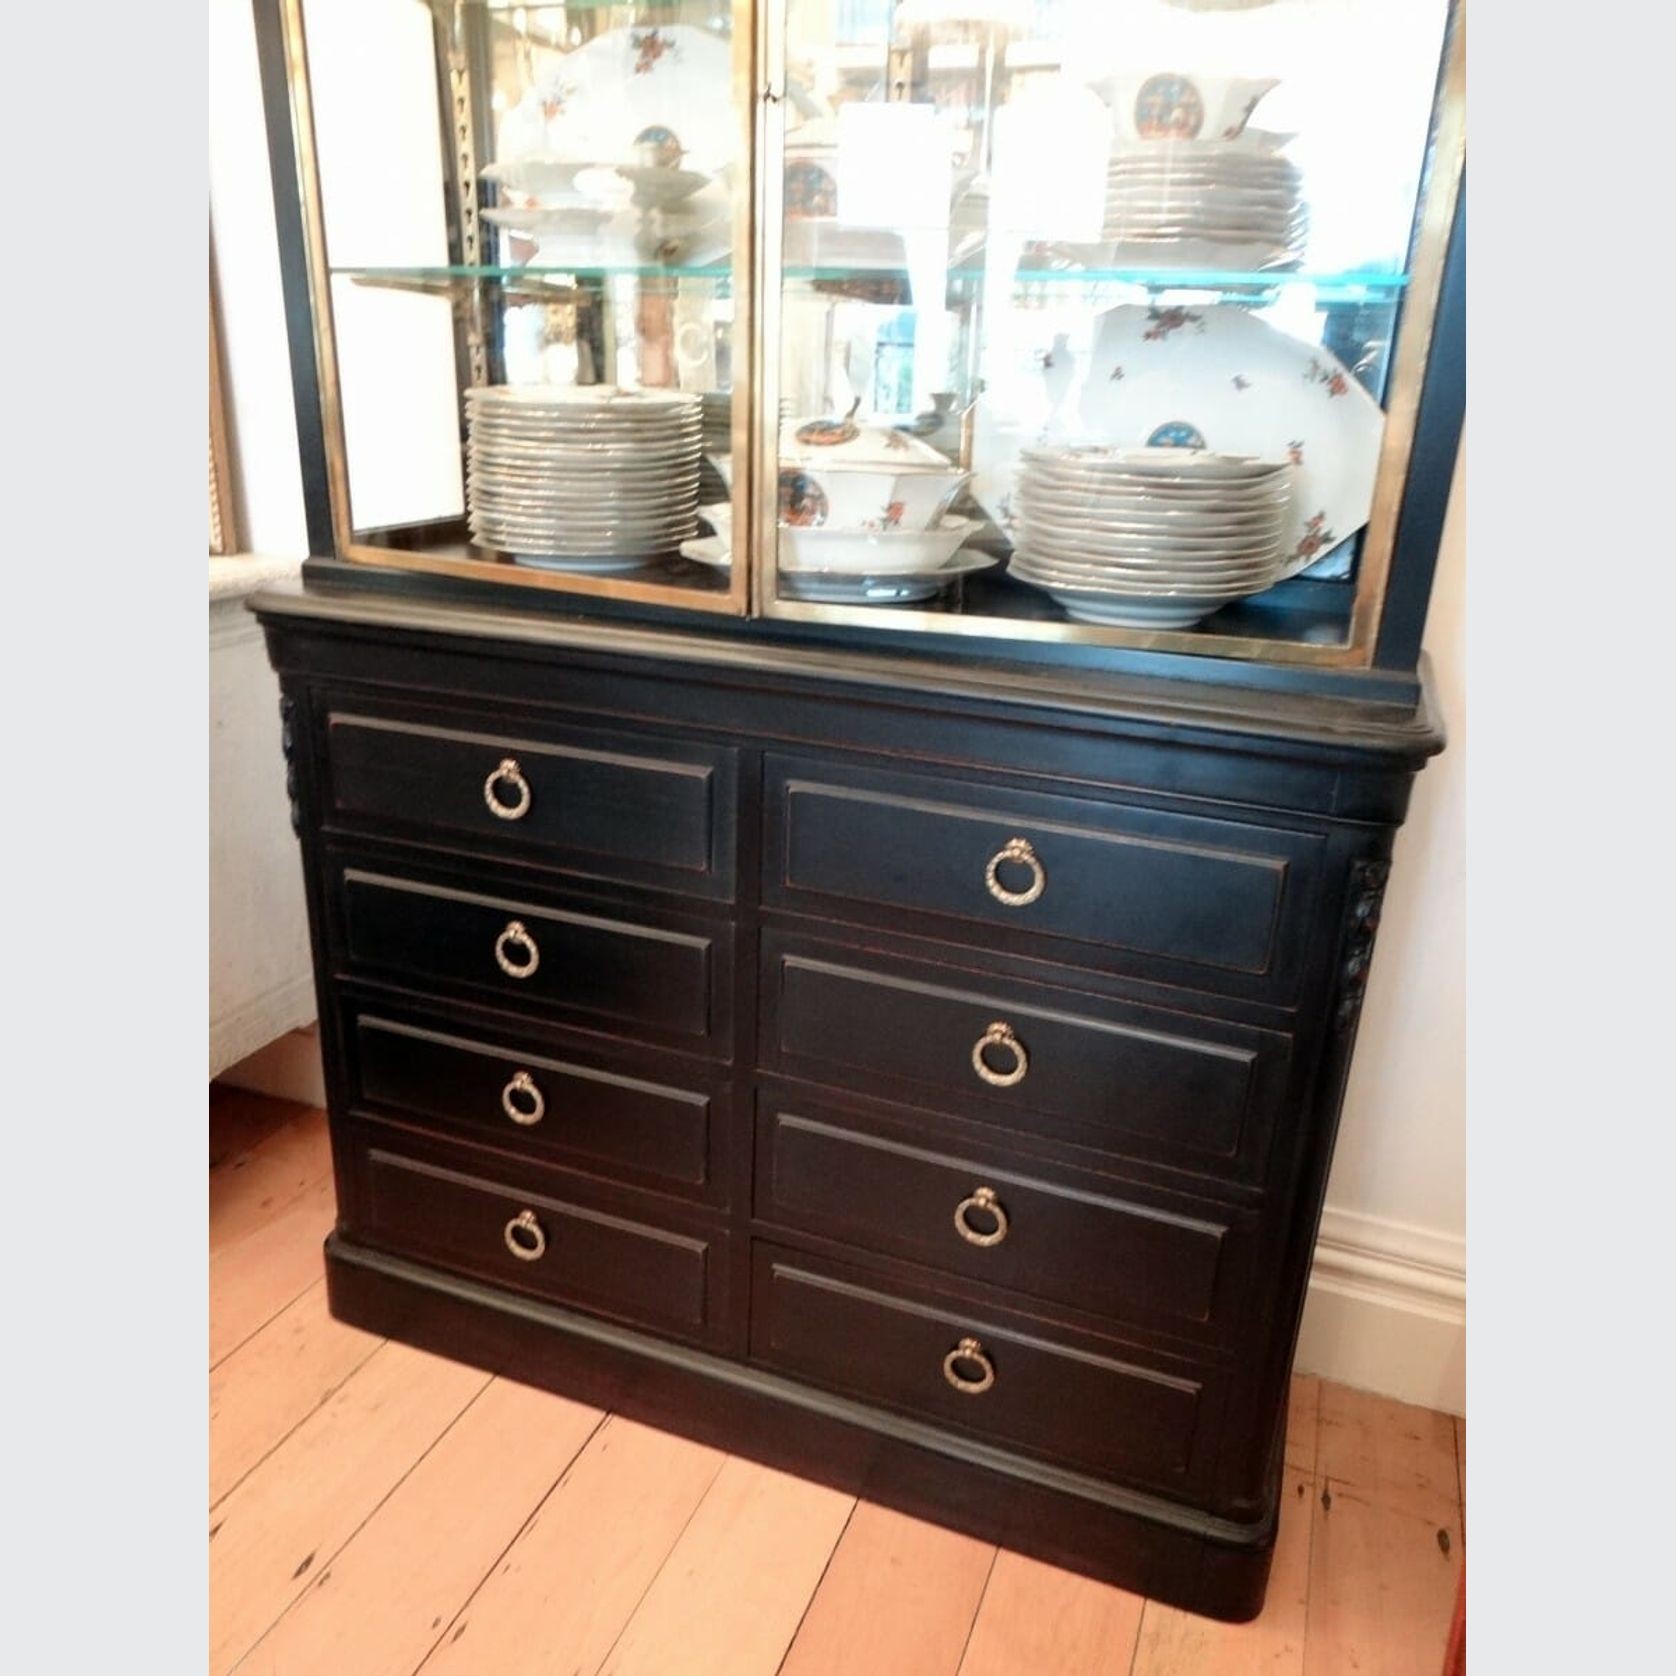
<point>375,1511</point>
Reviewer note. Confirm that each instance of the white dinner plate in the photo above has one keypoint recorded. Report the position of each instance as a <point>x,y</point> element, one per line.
<point>1140,573</point>
<point>1048,574</point>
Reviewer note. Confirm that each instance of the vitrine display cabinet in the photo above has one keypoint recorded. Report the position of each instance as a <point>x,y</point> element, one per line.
<point>848,714</point>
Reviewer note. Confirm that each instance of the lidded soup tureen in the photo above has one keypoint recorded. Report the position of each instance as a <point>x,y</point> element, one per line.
<point>839,473</point>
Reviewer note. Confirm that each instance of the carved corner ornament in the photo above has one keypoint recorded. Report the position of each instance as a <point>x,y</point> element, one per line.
<point>288,746</point>
<point>1367,894</point>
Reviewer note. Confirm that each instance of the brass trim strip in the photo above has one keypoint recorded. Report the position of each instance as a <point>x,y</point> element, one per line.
<point>1248,647</point>
<point>746,340</point>
<point>1418,324</point>
<point>223,521</point>
<point>762,543</point>
<point>319,276</point>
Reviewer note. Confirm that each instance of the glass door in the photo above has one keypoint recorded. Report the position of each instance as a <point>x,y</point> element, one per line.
<point>529,228</point>
<point>1099,319</point>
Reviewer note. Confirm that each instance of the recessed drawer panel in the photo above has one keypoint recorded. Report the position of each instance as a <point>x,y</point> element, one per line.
<point>1102,884</point>
<point>608,805</point>
<point>1141,1081</point>
<point>1108,1410</point>
<point>588,1116</point>
<point>1034,1230</point>
<point>571,1253</point>
<point>527,955</point>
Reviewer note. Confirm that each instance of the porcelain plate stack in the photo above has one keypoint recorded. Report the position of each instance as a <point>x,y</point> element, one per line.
<point>1221,203</point>
<point>1149,537</point>
<point>582,478</point>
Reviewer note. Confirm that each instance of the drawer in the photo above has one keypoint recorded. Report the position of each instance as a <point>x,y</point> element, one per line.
<point>587,1116</point>
<point>1105,1407</point>
<point>1100,884</point>
<point>470,1216</point>
<point>1036,1229</point>
<point>608,805</point>
<point>1140,1081</point>
<point>661,977</point>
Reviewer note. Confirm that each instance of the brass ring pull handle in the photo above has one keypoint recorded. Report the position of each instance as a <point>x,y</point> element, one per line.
<point>1000,1036</point>
<point>516,937</point>
<point>983,1199</point>
<point>1016,850</point>
<point>524,1237</point>
<point>969,1351</point>
<point>523,1088</point>
<point>511,774</point>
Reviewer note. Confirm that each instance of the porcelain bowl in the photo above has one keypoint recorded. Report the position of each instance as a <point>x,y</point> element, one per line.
<point>835,496</point>
<point>885,552</point>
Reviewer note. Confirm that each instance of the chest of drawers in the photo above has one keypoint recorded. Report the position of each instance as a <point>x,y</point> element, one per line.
<point>917,1077</point>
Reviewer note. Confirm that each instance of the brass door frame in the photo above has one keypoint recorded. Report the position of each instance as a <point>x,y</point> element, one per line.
<point>735,601</point>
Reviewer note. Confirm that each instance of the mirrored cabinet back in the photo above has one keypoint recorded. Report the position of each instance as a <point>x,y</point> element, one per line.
<point>859,670</point>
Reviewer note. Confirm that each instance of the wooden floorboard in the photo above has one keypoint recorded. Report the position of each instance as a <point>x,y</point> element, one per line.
<point>377,1511</point>
<point>730,1596</point>
<point>249,1191</point>
<point>1303,1423</point>
<point>564,1591</point>
<point>1461,1468</point>
<point>267,1387</point>
<point>1389,1452</point>
<point>1176,1643</point>
<point>289,1517</point>
<point>1381,1587</point>
<point>1035,1617</point>
<point>384,1602</point>
<point>897,1599</point>
<point>240,1120</point>
<point>260,1273</point>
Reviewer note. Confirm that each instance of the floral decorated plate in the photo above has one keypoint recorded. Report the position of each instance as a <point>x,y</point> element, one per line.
<point>660,96</point>
<point>1223,379</point>
<point>1209,378</point>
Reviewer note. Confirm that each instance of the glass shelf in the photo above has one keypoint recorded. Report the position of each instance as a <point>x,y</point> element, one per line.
<point>719,272</point>
<point>1351,286</point>
<point>1360,283</point>
<point>1329,288</point>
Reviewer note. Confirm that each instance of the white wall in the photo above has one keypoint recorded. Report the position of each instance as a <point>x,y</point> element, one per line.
<point>255,358</point>
<point>1387,1300</point>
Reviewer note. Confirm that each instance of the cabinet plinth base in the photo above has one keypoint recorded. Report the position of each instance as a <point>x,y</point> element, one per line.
<point>1143,1543</point>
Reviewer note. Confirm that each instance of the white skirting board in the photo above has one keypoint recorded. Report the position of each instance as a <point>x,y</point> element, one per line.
<point>288,1068</point>
<point>1386,1310</point>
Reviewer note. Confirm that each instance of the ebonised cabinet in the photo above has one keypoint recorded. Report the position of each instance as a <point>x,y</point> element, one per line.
<point>920,1074</point>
